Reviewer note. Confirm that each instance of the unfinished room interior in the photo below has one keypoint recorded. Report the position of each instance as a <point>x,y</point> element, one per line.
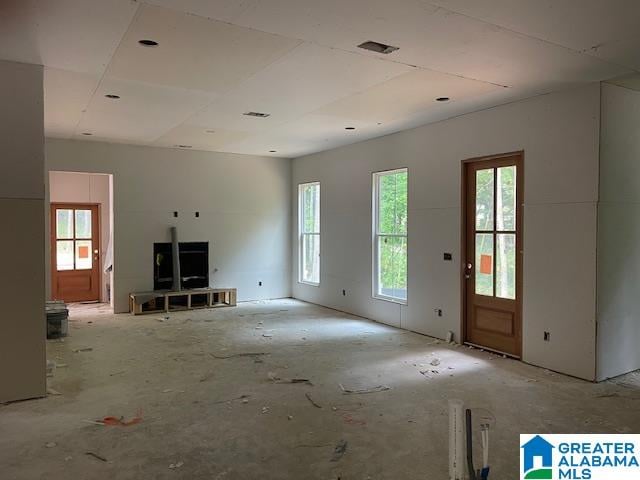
<point>332,240</point>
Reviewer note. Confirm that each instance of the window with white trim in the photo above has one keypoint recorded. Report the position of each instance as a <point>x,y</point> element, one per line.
<point>390,235</point>
<point>309,231</point>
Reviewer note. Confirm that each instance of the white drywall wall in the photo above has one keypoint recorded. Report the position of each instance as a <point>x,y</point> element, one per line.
<point>559,134</point>
<point>22,290</point>
<point>70,187</point>
<point>243,203</point>
<point>619,233</point>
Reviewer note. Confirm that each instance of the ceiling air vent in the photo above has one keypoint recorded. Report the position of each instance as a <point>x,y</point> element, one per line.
<point>378,47</point>
<point>257,114</point>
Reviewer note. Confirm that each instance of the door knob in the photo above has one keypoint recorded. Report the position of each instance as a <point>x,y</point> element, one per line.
<point>467,271</point>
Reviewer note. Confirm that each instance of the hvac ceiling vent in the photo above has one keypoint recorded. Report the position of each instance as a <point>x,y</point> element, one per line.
<point>257,114</point>
<point>378,47</point>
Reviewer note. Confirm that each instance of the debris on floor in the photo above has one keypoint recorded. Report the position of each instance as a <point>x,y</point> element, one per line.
<point>120,421</point>
<point>224,357</point>
<point>361,391</point>
<point>237,397</point>
<point>312,401</point>
<point>51,391</point>
<point>50,444</point>
<point>608,395</point>
<point>349,420</point>
<point>435,362</point>
<point>96,456</point>
<point>176,465</point>
<point>339,450</point>
<point>244,398</point>
<point>276,379</point>
<point>85,349</point>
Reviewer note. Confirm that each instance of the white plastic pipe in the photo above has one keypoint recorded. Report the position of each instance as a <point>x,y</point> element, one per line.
<point>457,454</point>
<point>485,445</point>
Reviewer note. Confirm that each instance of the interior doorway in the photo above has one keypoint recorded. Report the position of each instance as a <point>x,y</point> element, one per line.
<point>81,237</point>
<point>492,245</point>
<point>75,247</point>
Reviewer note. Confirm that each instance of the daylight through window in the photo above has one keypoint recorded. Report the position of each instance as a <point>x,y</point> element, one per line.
<point>309,228</point>
<point>390,235</point>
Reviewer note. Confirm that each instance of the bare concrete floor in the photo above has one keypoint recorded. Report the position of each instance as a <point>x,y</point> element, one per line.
<point>231,418</point>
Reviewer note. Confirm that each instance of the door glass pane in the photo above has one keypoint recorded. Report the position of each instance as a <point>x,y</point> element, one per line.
<point>83,223</point>
<point>311,258</point>
<point>506,201</point>
<point>484,199</point>
<point>83,254</point>
<point>484,264</point>
<point>506,266</point>
<point>64,254</point>
<point>392,261</point>
<point>64,223</point>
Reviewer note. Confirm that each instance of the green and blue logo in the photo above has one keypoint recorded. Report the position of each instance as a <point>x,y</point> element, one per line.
<point>579,457</point>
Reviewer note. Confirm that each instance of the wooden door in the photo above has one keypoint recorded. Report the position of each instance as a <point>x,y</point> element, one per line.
<point>492,276</point>
<point>75,252</point>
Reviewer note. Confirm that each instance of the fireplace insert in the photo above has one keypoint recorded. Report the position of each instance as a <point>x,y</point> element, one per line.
<point>194,265</point>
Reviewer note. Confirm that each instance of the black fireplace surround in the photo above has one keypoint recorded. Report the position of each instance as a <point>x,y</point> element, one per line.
<point>194,265</point>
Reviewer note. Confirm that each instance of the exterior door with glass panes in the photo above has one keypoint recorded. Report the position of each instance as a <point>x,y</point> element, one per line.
<point>75,252</point>
<point>493,246</point>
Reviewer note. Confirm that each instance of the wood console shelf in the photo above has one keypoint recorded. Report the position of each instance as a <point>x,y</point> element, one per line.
<point>163,301</point>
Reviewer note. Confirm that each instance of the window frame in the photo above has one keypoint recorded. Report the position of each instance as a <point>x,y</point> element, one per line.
<point>302,233</point>
<point>375,235</point>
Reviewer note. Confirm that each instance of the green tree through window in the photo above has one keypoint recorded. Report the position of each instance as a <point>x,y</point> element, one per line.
<point>390,232</point>
<point>309,227</point>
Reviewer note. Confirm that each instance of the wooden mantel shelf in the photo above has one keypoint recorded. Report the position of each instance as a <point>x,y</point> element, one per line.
<point>162,301</point>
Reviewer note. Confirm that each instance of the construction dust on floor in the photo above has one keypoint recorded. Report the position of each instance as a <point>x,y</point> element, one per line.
<point>281,390</point>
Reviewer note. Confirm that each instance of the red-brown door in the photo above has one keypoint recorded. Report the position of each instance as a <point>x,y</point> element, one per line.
<point>75,252</point>
<point>493,247</point>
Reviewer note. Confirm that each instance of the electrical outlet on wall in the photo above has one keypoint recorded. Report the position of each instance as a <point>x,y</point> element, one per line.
<point>260,283</point>
<point>344,293</point>
<point>438,311</point>
<point>547,336</point>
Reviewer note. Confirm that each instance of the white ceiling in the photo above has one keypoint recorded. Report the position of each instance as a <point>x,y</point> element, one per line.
<point>298,61</point>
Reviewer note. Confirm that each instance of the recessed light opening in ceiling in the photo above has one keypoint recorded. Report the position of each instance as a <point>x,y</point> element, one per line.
<point>183,146</point>
<point>148,43</point>
<point>112,96</point>
<point>88,134</point>
<point>209,131</point>
<point>256,114</point>
<point>378,47</point>
<point>273,151</point>
<point>349,128</point>
<point>442,99</point>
